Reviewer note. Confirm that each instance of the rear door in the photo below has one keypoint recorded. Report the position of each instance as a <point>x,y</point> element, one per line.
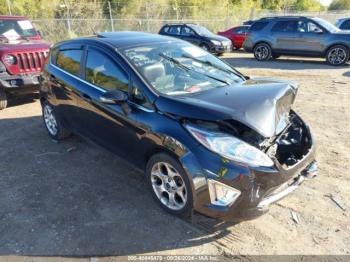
<point>286,36</point>
<point>65,61</point>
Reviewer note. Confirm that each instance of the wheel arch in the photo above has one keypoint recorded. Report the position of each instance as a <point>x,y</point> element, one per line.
<point>335,44</point>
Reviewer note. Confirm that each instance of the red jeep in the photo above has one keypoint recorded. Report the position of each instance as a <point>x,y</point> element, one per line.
<point>22,56</point>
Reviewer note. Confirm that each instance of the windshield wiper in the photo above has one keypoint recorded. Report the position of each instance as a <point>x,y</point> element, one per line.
<point>206,62</point>
<point>181,65</point>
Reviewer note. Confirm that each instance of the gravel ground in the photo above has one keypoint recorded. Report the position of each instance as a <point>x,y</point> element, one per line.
<point>76,199</point>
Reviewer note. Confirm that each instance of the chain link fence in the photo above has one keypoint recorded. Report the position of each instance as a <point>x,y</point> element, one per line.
<point>60,29</point>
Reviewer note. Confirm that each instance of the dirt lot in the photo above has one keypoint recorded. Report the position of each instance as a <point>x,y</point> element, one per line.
<point>76,199</point>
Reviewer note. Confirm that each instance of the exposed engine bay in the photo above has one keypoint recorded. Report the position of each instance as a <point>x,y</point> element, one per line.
<point>288,147</point>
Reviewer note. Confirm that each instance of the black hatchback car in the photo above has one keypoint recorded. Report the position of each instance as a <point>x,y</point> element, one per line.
<point>198,35</point>
<point>207,137</point>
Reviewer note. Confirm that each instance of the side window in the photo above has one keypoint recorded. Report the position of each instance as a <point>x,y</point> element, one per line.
<point>174,30</point>
<point>101,71</point>
<point>257,26</point>
<point>186,31</point>
<point>69,60</point>
<point>285,26</point>
<point>312,27</point>
<point>345,25</point>
<point>138,97</point>
<point>165,29</point>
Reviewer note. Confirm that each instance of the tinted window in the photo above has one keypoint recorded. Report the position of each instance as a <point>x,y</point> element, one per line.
<point>174,30</point>
<point>186,31</point>
<point>345,25</point>
<point>69,60</point>
<point>138,97</point>
<point>102,71</point>
<point>165,29</point>
<point>257,26</point>
<point>285,26</point>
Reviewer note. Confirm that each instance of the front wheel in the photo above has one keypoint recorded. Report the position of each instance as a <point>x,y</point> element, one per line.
<point>170,185</point>
<point>53,125</point>
<point>3,99</point>
<point>262,52</point>
<point>337,55</point>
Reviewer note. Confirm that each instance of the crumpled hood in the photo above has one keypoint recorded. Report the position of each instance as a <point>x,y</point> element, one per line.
<point>261,104</point>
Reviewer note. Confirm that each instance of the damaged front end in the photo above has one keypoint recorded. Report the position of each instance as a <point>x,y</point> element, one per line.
<point>292,152</point>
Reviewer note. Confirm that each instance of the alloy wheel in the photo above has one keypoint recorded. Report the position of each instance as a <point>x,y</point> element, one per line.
<point>50,120</point>
<point>337,56</point>
<point>168,186</point>
<point>262,52</point>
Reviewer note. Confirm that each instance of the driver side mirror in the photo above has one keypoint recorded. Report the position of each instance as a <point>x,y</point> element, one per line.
<point>116,97</point>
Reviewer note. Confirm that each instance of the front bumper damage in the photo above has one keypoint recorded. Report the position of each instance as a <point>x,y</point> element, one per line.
<point>259,186</point>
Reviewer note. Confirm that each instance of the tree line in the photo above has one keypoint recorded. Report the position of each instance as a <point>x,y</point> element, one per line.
<point>37,9</point>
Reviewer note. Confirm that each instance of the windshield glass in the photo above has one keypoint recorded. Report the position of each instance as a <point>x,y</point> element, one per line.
<point>181,68</point>
<point>202,31</point>
<point>16,28</point>
<point>327,25</point>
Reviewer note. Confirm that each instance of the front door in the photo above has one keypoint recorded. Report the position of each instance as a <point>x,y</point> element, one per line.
<point>189,35</point>
<point>107,124</point>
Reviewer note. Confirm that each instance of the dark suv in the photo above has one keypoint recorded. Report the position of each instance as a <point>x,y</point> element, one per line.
<point>300,36</point>
<point>199,36</point>
<point>22,56</point>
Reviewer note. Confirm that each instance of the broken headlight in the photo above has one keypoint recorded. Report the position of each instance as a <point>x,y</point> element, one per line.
<point>230,147</point>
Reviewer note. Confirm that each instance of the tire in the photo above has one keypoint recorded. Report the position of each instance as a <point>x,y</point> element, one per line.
<point>262,52</point>
<point>3,99</point>
<point>166,177</point>
<point>53,124</point>
<point>337,55</point>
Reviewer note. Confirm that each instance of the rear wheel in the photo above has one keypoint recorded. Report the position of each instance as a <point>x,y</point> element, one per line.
<point>262,52</point>
<point>337,55</point>
<point>3,99</point>
<point>53,125</point>
<point>170,185</point>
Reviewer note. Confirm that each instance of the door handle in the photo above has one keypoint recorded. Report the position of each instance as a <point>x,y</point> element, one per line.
<point>86,98</point>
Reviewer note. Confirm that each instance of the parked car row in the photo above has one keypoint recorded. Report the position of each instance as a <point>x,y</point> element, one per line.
<point>208,137</point>
<point>271,37</point>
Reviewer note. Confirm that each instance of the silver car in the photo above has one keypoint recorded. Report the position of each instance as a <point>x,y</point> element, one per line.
<point>272,37</point>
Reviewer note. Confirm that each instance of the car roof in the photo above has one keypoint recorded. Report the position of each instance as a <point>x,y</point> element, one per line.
<point>13,17</point>
<point>283,17</point>
<point>126,39</point>
<point>177,24</point>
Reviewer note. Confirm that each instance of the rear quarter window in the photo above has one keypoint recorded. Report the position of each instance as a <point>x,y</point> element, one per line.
<point>165,29</point>
<point>69,60</point>
<point>257,26</point>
